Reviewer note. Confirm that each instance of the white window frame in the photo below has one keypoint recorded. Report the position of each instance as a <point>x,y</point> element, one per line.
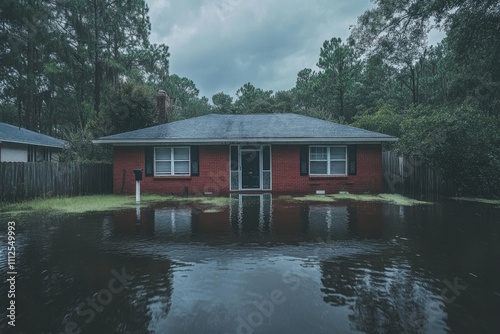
<point>172,161</point>
<point>328,160</point>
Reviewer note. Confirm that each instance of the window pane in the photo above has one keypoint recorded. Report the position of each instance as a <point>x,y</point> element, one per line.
<point>181,167</point>
<point>337,153</point>
<point>163,167</point>
<point>234,180</point>
<point>318,167</point>
<point>318,153</point>
<point>162,153</point>
<point>337,167</point>
<point>266,180</point>
<point>181,153</point>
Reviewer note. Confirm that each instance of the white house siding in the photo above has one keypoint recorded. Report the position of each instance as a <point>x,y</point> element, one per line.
<point>13,152</point>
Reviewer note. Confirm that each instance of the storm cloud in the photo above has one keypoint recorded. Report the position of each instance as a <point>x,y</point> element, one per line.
<point>223,44</point>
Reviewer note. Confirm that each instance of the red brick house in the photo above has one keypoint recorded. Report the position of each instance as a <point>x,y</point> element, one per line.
<point>221,154</point>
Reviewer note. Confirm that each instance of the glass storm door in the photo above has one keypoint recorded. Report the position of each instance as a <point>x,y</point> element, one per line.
<point>250,169</point>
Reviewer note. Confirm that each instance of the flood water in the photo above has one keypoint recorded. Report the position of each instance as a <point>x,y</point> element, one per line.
<point>260,266</point>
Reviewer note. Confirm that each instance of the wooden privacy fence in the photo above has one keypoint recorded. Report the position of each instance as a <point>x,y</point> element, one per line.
<point>412,178</point>
<point>26,180</point>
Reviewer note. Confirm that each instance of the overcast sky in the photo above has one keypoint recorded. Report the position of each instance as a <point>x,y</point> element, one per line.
<point>223,44</point>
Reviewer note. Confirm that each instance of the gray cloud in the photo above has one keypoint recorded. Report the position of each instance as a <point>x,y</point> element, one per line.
<point>223,44</point>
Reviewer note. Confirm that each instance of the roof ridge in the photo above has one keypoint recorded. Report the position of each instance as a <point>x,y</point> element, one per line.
<point>230,127</point>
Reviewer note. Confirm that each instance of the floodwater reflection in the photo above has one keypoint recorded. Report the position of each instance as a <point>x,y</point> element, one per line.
<point>262,265</point>
<point>254,218</point>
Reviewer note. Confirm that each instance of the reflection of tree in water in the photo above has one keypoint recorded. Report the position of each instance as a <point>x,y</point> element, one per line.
<point>383,298</point>
<point>147,300</point>
<point>61,271</point>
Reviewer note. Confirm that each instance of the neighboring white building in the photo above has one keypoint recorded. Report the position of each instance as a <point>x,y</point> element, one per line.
<point>21,145</point>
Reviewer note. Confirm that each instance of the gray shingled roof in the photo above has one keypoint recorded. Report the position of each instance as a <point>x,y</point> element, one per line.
<point>213,128</point>
<point>13,134</point>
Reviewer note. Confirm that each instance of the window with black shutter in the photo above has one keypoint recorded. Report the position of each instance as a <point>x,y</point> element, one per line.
<point>195,164</point>
<point>149,157</point>
<point>304,160</point>
<point>351,153</point>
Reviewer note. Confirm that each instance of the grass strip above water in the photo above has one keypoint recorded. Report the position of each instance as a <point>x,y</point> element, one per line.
<point>99,203</point>
<point>479,200</point>
<point>401,200</point>
<point>386,198</point>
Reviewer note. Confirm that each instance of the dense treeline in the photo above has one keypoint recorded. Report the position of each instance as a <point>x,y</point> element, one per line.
<point>64,63</point>
<point>80,69</point>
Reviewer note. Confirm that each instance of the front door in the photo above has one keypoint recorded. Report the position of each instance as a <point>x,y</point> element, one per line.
<point>250,169</point>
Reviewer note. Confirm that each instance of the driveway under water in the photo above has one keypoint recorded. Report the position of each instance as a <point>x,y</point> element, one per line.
<point>261,266</point>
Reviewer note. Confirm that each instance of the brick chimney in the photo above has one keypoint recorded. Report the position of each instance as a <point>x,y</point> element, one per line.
<point>163,107</point>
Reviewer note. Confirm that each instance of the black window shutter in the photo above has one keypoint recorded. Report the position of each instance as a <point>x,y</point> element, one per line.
<point>234,158</point>
<point>195,163</point>
<point>266,158</point>
<point>351,156</point>
<point>149,157</point>
<point>304,160</point>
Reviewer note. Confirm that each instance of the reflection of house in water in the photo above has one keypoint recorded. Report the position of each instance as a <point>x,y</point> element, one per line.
<point>366,220</point>
<point>251,216</point>
<point>249,213</point>
<point>173,221</point>
<point>132,221</point>
<point>328,221</point>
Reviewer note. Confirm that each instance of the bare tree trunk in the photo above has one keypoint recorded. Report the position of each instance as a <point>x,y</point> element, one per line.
<point>30,104</point>
<point>97,67</point>
<point>413,91</point>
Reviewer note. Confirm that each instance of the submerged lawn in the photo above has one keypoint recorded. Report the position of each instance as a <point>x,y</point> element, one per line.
<point>96,203</point>
<point>387,198</point>
<point>479,200</point>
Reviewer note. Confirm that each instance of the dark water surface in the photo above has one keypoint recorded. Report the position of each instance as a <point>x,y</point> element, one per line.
<point>260,266</point>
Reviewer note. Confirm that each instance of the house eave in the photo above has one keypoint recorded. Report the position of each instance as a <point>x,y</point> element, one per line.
<point>30,143</point>
<point>229,141</point>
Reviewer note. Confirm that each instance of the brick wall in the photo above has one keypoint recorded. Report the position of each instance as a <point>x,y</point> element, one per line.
<point>214,173</point>
<point>286,172</point>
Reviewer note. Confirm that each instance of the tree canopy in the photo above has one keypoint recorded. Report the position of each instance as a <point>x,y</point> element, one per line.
<point>81,69</point>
